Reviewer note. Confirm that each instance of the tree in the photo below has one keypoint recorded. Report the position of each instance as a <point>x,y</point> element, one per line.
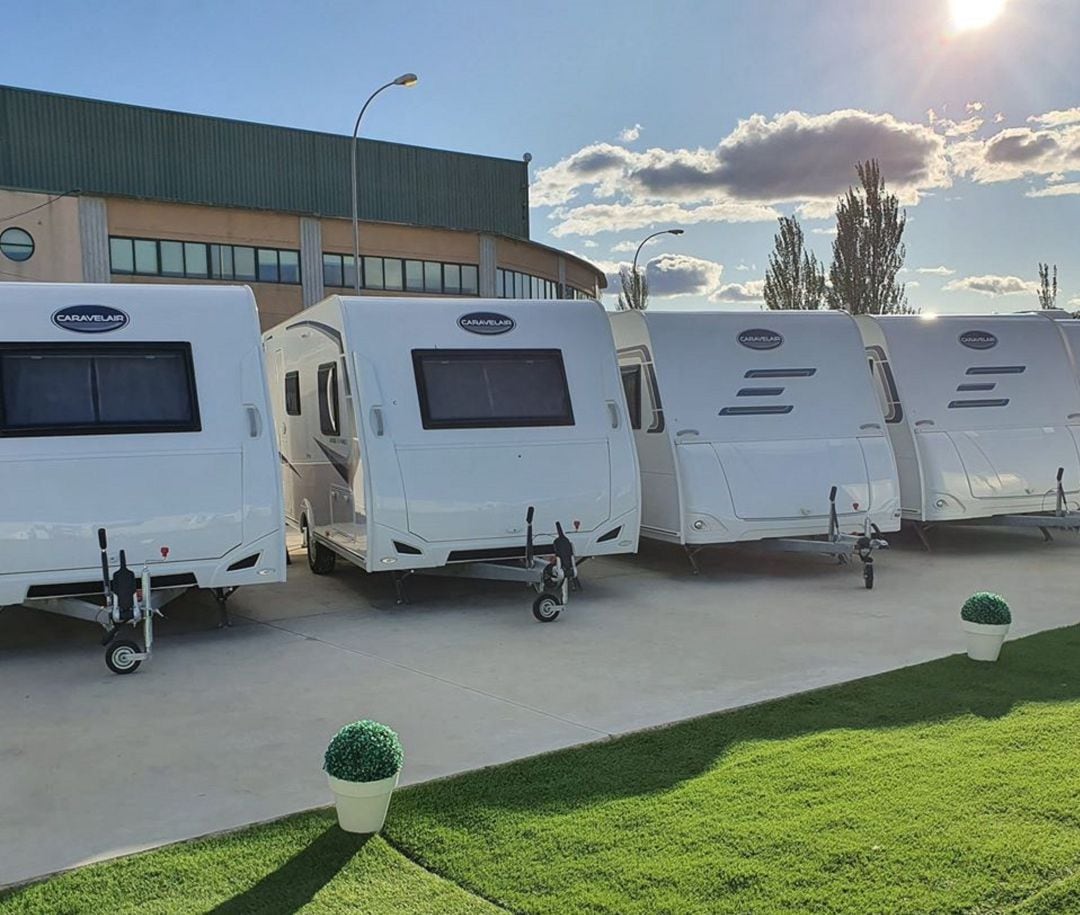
<point>635,290</point>
<point>1047,289</point>
<point>868,251</point>
<point>795,278</point>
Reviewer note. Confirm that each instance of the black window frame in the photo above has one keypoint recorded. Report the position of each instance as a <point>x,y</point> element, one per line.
<point>89,349</point>
<point>293,406</point>
<point>216,254</point>
<point>327,381</point>
<point>478,355</point>
<point>633,402</point>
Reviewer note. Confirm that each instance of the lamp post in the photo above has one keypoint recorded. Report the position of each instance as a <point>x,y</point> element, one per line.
<point>637,282</point>
<point>406,79</point>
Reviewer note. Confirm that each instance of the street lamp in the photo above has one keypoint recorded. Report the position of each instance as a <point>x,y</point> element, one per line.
<point>406,79</point>
<point>637,282</point>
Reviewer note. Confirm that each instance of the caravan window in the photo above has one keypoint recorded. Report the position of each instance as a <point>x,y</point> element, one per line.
<point>329,422</point>
<point>97,389</point>
<point>292,393</point>
<point>477,389</point>
<point>631,379</point>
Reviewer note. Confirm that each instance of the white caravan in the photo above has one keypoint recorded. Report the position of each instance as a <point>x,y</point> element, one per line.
<point>984,415</point>
<point>419,434</point>
<point>757,426</point>
<point>137,414</point>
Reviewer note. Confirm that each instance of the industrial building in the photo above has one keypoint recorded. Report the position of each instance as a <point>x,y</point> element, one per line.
<point>101,192</point>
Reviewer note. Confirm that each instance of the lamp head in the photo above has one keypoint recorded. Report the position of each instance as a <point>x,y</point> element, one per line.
<point>407,79</point>
<point>675,231</point>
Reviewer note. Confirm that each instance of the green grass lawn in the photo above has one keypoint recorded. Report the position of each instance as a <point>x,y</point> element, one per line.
<point>947,787</point>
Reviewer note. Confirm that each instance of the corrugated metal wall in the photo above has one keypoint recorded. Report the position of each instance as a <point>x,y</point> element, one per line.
<point>56,143</point>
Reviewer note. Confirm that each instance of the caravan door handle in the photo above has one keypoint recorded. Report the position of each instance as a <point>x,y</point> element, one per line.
<point>870,426</point>
<point>613,409</point>
<point>377,421</point>
<point>254,420</point>
<point>1073,416</point>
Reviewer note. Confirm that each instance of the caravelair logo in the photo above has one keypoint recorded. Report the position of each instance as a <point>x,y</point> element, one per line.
<point>757,338</point>
<point>90,319</point>
<point>486,322</point>
<point>978,339</point>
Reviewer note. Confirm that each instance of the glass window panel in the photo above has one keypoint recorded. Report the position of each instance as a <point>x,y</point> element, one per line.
<point>470,280</point>
<point>143,389</point>
<point>289,266</point>
<point>42,390</point>
<point>268,265</point>
<point>500,282</point>
<point>121,255</point>
<point>452,278</point>
<point>146,258</point>
<point>348,272</point>
<point>244,263</point>
<point>172,258</point>
<point>414,276</point>
<point>432,276</point>
<point>487,388</point>
<point>518,293</point>
<point>331,270</point>
<point>373,273</point>
<point>195,259</point>
<point>392,273</point>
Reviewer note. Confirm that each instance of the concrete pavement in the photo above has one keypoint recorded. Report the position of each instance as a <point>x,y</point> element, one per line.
<point>227,727</point>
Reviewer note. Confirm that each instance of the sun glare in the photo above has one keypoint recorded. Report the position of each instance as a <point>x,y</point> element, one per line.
<point>974,14</point>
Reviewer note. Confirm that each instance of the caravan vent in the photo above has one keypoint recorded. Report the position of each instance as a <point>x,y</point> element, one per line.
<point>995,402</point>
<point>996,370</point>
<point>764,409</point>
<point>610,535</point>
<point>988,386</point>
<point>406,550</point>
<point>759,392</point>
<point>780,373</point>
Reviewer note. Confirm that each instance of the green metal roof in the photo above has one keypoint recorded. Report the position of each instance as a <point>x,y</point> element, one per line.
<point>58,143</point>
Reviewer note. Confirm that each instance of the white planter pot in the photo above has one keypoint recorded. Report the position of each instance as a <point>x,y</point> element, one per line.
<point>362,806</point>
<point>984,641</point>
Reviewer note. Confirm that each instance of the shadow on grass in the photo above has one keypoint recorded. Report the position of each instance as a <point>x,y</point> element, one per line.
<point>1039,668</point>
<point>295,883</point>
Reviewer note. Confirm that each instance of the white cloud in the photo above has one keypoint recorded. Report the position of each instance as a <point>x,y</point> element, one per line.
<point>589,243</point>
<point>805,159</point>
<point>1056,118</point>
<point>992,285</point>
<point>625,246</point>
<point>743,267</point>
<point>592,218</point>
<point>1017,152</point>
<point>629,134</point>
<point>912,284</point>
<point>936,271</point>
<point>1055,190</point>
<point>753,291</point>
<point>672,275</point>
<point>972,107</point>
<point>999,117</point>
<point>823,230</point>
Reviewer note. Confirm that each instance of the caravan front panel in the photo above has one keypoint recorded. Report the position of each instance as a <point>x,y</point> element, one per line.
<point>142,410</point>
<point>982,410</point>
<point>745,422</point>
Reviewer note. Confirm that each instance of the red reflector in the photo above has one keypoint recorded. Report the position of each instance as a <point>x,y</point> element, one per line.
<point>164,552</point>
<point>577,525</point>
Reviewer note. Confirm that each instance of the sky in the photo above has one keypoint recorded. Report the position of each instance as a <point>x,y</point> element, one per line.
<point>715,117</point>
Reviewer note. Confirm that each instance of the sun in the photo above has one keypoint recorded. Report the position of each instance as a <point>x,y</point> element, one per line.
<point>974,14</point>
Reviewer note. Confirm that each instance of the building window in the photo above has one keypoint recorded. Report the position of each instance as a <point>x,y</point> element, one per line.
<point>396,275</point>
<point>199,260</point>
<point>16,244</point>
<point>511,284</point>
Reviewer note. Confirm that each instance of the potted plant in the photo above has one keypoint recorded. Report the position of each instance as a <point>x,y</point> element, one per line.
<point>986,619</point>
<point>362,763</point>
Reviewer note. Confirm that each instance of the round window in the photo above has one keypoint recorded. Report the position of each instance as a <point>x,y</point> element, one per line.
<point>16,244</point>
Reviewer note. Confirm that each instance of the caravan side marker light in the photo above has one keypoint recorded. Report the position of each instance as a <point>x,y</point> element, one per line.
<point>164,552</point>
<point>577,525</point>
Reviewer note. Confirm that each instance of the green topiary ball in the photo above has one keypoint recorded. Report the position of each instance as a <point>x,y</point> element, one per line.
<point>364,751</point>
<point>986,608</point>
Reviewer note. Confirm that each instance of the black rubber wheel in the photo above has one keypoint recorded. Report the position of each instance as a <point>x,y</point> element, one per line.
<point>319,559</point>
<point>868,575</point>
<point>546,608</point>
<point>119,657</point>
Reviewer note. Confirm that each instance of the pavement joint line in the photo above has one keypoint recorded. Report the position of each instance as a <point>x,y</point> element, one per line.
<point>437,678</point>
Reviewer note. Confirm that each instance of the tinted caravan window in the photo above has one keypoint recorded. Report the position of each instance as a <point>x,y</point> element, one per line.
<point>329,423</point>
<point>97,389</point>
<point>631,379</point>
<point>292,393</point>
<point>473,389</point>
